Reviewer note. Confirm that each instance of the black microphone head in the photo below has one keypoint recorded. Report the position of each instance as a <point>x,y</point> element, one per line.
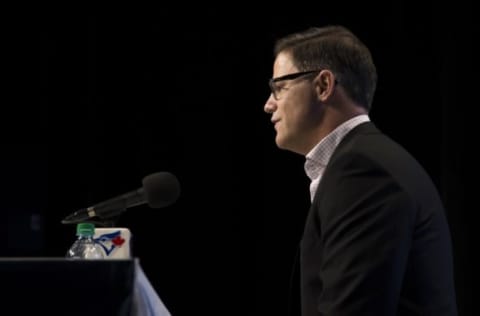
<point>161,189</point>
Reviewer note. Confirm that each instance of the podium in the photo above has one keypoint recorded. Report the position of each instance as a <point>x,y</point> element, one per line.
<point>58,286</point>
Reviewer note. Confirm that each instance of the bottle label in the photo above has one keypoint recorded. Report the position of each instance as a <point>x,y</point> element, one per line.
<point>115,242</point>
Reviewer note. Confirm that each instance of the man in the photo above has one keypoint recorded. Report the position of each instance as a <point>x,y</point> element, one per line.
<point>376,240</point>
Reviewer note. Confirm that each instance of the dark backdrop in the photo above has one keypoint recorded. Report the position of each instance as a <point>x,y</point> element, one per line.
<point>99,101</point>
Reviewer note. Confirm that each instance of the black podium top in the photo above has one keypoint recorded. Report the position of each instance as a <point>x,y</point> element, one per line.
<point>58,286</point>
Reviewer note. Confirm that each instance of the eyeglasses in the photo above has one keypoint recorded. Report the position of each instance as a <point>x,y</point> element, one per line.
<point>275,89</point>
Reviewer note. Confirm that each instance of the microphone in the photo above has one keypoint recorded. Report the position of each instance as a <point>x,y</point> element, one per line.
<point>159,190</point>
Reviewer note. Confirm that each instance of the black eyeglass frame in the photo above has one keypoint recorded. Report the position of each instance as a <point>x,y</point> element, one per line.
<point>274,90</point>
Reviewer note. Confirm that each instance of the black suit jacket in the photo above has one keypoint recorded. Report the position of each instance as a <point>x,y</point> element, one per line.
<point>376,240</point>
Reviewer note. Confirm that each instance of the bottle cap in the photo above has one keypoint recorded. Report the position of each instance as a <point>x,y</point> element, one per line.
<point>85,229</point>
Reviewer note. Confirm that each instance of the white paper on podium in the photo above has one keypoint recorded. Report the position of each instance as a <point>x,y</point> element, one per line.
<point>146,300</point>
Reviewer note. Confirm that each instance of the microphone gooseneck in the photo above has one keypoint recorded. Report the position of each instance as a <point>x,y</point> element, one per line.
<point>158,190</point>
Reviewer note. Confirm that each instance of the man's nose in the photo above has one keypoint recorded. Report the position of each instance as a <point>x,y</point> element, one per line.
<point>271,105</point>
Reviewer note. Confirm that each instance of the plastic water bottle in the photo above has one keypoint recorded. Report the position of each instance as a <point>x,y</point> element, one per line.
<point>85,246</point>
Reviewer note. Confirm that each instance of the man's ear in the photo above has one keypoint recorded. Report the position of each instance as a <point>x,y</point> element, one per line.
<point>324,84</point>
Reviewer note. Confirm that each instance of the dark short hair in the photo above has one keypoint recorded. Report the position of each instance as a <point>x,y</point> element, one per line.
<point>335,48</point>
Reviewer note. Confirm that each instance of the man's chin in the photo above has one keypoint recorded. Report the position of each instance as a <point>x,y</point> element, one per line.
<point>281,143</point>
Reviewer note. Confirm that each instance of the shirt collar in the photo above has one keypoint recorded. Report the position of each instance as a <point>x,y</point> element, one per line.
<point>317,159</point>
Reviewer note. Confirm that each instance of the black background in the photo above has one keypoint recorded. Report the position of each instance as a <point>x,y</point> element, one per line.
<point>93,103</point>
